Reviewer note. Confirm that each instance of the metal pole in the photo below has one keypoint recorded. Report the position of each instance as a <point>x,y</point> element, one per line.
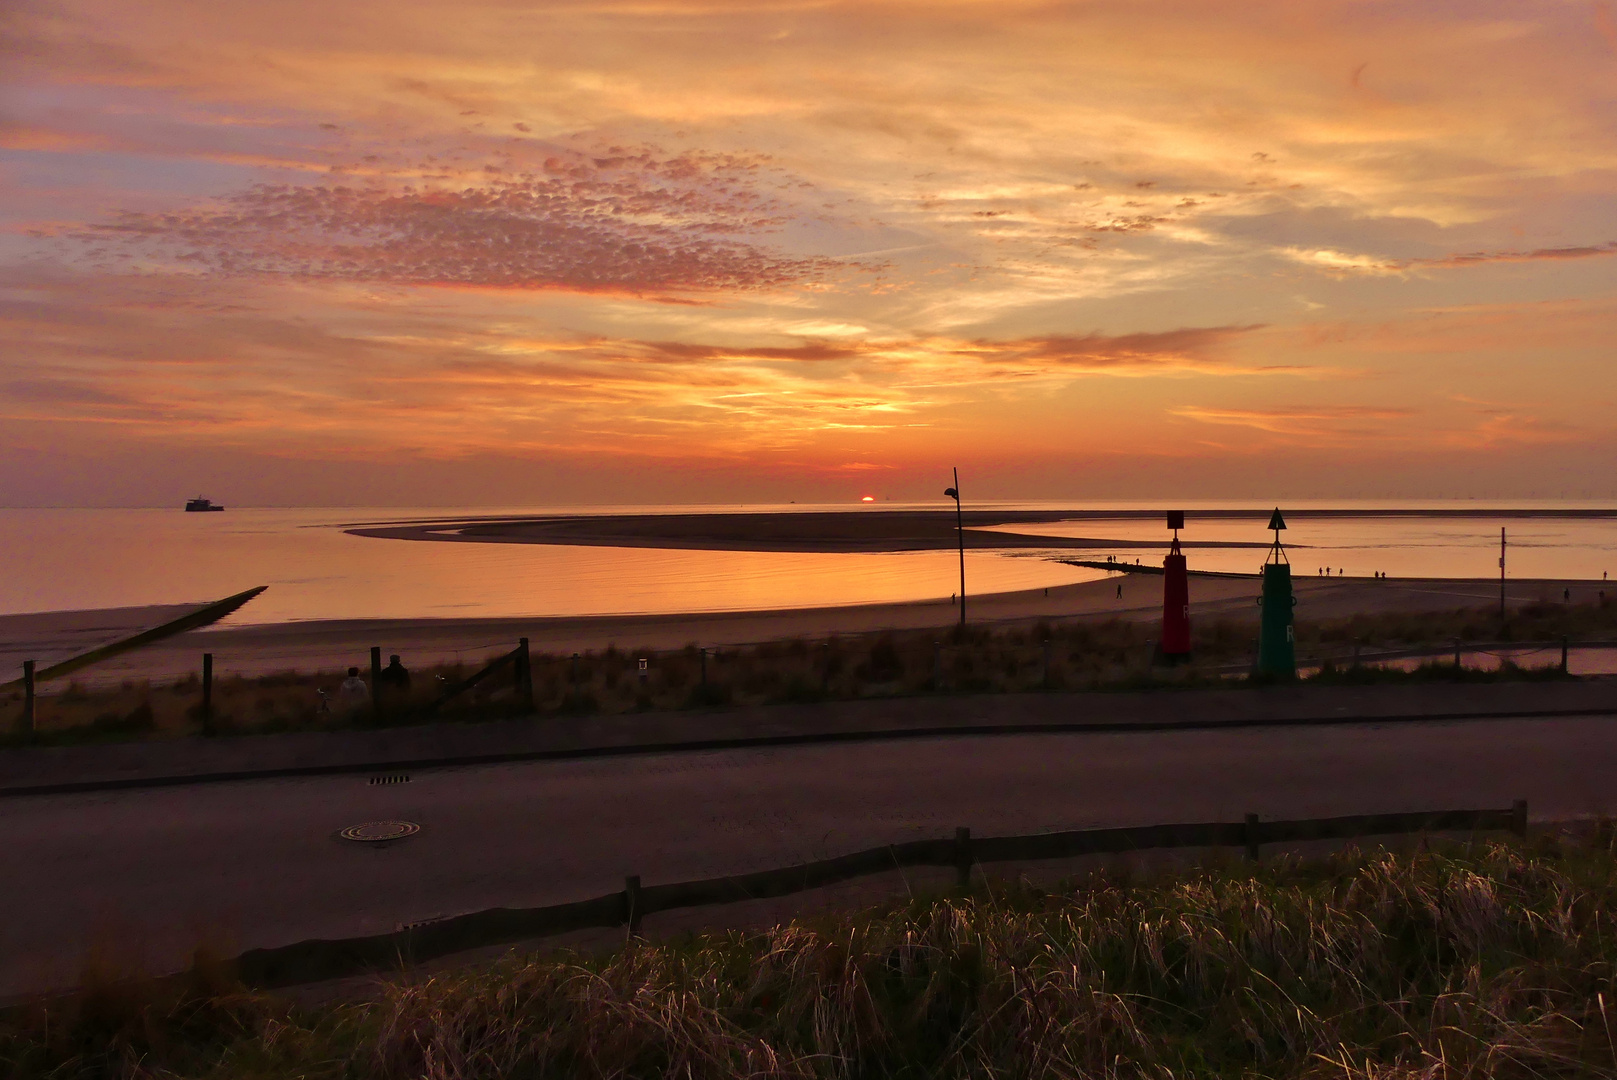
<point>960,531</point>
<point>28,695</point>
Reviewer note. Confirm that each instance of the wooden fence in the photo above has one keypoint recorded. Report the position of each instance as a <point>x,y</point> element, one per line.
<point>311,961</point>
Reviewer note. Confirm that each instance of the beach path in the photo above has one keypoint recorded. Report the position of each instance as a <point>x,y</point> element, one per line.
<point>259,863</point>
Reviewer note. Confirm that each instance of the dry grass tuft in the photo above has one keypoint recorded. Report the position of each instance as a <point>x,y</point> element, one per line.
<point>1493,961</point>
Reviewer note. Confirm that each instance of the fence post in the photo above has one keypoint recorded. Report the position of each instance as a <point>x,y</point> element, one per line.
<point>962,858</point>
<point>524,673</point>
<point>1563,656</point>
<point>1518,818</point>
<point>376,681</point>
<point>207,693</point>
<point>1456,655</point>
<point>1252,837</point>
<point>28,696</point>
<point>631,905</point>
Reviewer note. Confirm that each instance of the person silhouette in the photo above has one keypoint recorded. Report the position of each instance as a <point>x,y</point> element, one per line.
<point>395,676</point>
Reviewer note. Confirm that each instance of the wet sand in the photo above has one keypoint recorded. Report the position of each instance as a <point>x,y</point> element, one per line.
<point>335,644</point>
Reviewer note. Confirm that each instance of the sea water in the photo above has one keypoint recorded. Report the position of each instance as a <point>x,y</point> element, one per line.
<point>56,560</point>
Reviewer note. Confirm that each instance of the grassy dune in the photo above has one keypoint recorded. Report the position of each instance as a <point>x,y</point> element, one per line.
<point>1492,960</point>
<point>1085,654</point>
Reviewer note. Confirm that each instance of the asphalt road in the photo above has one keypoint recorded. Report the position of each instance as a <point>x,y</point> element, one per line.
<point>154,873</point>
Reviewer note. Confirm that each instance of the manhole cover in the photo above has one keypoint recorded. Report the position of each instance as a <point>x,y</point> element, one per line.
<point>380,830</point>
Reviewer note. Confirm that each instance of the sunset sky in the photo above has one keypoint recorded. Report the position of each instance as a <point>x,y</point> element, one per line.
<point>420,252</point>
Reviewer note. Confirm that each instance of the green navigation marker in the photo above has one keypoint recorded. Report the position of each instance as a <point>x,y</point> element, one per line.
<point>1277,642</point>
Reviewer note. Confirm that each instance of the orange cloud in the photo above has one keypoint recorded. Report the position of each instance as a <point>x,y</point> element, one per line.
<point>1313,420</point>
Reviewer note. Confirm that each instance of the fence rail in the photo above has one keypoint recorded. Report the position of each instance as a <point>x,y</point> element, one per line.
<point>311,961</point>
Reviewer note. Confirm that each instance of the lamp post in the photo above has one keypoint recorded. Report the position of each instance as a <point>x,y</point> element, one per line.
<point>960,532</point>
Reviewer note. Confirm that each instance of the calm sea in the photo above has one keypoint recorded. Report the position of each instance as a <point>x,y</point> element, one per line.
<point>56,560</point>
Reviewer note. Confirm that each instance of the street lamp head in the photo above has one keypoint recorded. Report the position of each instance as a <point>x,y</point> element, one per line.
<point>952,493</point>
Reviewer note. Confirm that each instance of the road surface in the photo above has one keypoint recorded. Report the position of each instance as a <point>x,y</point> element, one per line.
<point>259,863</point>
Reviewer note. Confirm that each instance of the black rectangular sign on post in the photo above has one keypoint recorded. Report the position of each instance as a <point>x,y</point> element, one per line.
<point>1176,519</point>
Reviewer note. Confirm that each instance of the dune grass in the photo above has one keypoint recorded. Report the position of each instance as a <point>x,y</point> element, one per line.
<point>1494,960</point>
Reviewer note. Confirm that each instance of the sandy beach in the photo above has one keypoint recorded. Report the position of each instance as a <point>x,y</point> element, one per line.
<point>334,644</point>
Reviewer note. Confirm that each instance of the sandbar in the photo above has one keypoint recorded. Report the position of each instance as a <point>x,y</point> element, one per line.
<point>817,531</point>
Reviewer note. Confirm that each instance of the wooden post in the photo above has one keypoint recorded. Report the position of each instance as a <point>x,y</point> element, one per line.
<point>1252,837</point>
<point>1501,575</point>
<point>376,681</point>
<point>28,696</point>
<point>1563,655</point>
<point>1518,818</point>
<point>1456,655</point>
<point>962,858</point>
<point>207,693</point>
<point>631,905</point>
<point>524,673</point>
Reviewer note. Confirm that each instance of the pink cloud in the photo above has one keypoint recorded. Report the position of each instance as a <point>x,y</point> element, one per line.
<point>627,222</point>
